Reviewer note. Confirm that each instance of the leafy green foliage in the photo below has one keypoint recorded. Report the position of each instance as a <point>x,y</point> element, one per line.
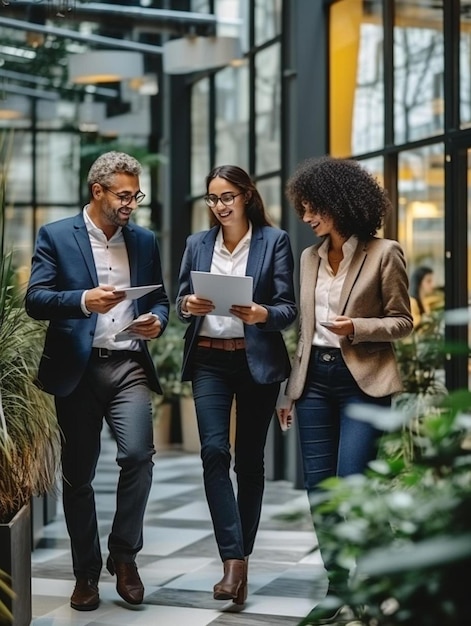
<point>29,434</point>
<point>167,353</point>
<point>403,530</point>
<point>421,356</point>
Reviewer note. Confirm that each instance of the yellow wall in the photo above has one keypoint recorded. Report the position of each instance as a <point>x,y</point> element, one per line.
<point>345,22</point>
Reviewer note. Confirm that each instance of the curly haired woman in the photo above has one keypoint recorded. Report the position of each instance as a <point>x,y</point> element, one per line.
<point>354,303</point>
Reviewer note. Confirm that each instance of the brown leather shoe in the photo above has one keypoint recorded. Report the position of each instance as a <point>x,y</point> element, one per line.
<point>233,585</point>
<point>128,582</point>
<point>85,596</point>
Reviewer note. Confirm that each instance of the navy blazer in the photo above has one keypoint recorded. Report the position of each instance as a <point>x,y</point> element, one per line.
<point>62,268</point>
<point>270,263</point>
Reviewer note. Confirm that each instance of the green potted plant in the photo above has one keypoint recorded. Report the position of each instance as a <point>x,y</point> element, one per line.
<point>403,528</point>
<point>167,353</point>
<point>29,435</point>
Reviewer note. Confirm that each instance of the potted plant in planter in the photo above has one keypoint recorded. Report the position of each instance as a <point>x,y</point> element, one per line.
<point>167,353</point>
<point>29,435</point>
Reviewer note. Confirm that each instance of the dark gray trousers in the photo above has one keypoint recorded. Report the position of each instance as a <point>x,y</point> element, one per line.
<point>115,389</point>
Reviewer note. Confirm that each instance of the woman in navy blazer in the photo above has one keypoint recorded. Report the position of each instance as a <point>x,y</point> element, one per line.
<point>242,356</point>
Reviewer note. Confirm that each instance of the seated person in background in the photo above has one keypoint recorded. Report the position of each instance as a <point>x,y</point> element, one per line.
<point>422,286</point>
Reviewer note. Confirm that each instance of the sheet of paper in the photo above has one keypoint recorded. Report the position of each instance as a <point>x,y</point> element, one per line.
<point>223,290</point>
<point>132,293</point>
<point>130,330</point>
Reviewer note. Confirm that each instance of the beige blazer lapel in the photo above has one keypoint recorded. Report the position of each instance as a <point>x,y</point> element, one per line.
<point>309,271</point>
<point>356,264</point>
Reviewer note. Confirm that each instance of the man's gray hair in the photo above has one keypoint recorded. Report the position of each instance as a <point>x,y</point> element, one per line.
<point>110,163</point>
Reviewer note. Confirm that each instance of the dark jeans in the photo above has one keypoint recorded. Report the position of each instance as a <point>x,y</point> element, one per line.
<point>217,377</point>
<point>332,443</point>
<point>117,390</point>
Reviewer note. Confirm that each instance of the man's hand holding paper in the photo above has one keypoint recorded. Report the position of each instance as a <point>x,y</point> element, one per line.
<point>146,326</point>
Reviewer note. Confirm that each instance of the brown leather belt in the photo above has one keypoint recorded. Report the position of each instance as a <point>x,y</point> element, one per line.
<point>229,345</point>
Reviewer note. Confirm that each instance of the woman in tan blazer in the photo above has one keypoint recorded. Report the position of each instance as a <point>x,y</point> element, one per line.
<point>354,304</point>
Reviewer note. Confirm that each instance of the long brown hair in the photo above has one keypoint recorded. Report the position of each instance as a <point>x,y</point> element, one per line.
<point>255,208</point>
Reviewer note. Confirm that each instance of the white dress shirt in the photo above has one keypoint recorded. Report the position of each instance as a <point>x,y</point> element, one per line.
<point>112,268</point>
<point>234,264</point>
<point>328,290</point>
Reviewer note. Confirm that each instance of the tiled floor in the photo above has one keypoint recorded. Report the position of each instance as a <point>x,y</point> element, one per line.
<point>179,563</point>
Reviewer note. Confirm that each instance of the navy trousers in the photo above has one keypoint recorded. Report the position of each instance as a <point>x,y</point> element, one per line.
<point>218,376</point>
<point>115,389</point>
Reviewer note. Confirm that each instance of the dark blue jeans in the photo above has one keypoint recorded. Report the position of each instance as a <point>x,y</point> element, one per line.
<point>332,443</point>
<point>218,376</point>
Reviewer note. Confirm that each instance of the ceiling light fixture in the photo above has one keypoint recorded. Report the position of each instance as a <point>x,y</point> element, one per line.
<point>195,54</point>
<point>105,66</point>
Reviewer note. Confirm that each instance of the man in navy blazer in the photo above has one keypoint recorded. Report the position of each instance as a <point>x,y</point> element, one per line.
<point>81,269</point>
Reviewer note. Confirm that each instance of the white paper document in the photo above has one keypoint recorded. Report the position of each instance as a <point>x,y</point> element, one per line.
<point>132,293</point>
<point>130,331</point>
<point>223,290</point>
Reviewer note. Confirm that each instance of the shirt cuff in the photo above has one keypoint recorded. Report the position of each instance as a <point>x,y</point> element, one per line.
<point>85,311</point>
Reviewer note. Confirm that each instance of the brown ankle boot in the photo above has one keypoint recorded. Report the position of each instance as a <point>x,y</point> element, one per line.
<point>233,585</point>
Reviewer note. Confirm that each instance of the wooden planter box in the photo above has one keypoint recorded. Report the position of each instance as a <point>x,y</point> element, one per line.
<point>15,560</point>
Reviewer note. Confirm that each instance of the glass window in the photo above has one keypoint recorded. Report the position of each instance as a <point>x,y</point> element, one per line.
<point>18,167</point>
<point>200,155</point>
<point>268,110</point>
<point>465,63</point>
<point>57,167</point>
<point>375,166</point>
<point>421,208</point>
<point>356,77</point>
<point>200,6</point>
<point>469,259</point>
<point>199,216</point>
<point>270,190</point>
<point>267,20</point>
<point>19,231</point>
<point>232,116</point>
<point>418,70</point>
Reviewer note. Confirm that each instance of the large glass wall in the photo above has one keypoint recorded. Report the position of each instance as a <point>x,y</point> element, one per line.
<point>418,71</point>
<point>232,113</point>
<point>267,109</point>
<point>393,72</point>
<point>200,126</point>
<point>421,208</point>
<point>245,129</point>
<point>465,63</point>
<point>469,250</point>
<point>267,20</point>
<point>356,100</point>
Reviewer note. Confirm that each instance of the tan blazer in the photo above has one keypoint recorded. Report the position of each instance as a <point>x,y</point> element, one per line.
<point>375,296</point>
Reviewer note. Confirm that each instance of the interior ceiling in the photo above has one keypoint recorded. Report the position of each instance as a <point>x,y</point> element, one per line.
<point>37,37</point>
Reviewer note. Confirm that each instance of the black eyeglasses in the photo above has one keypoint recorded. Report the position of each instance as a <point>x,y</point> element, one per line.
<point>226,198</point>
<point>126,198</point>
